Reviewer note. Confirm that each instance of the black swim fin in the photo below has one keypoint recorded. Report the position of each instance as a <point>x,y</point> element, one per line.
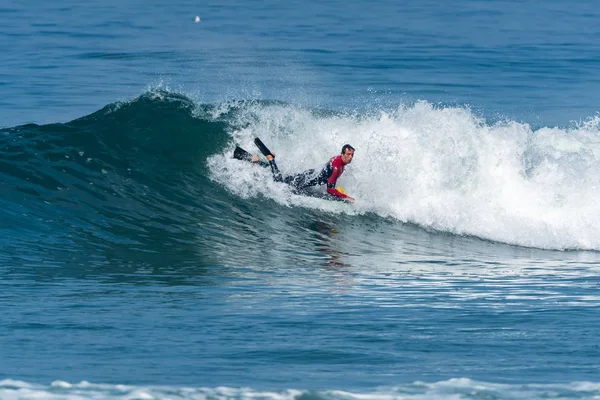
<point>243,155</point>
<point>263,149</point>
<point>266,152</point>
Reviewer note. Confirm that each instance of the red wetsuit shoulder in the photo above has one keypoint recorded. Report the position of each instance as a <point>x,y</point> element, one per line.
<point>337,168</point>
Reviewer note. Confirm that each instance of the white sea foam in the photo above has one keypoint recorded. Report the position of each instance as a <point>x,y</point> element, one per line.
<point>459,388</point>
<point>442,168</point>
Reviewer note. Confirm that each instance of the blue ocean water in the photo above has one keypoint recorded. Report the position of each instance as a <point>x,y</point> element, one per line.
<point>139,260</point>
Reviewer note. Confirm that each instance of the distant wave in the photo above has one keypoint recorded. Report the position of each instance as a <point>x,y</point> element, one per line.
<point>451,389</point>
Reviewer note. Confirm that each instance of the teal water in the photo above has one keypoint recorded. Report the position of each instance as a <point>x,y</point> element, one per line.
<point>139,260</point>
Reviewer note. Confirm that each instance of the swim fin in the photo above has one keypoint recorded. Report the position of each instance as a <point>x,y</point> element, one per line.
<point>266,152</point>
<point>263,149</point>
<point>243,155</point>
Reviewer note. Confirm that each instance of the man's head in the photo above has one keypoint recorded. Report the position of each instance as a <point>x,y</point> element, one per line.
<point>347,154</point>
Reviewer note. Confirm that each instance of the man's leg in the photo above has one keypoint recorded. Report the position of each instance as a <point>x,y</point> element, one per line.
<point>302,180</point>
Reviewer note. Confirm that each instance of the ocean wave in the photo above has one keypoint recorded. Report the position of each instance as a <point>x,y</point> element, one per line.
<point>161,159</point>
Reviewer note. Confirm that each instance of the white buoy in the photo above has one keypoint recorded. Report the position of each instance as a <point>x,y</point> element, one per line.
<point>197,19</point>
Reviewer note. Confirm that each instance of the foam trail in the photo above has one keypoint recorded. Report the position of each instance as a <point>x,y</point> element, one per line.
<point>444,169</point>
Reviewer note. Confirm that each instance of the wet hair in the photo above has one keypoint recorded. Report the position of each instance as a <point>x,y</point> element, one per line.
<point>346,147</point>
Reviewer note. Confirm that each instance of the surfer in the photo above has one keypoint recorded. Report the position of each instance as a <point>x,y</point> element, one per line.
<point>328,175</point>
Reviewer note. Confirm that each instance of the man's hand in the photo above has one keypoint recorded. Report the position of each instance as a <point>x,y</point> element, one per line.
<point>255,159</point>
<point>349,199</point>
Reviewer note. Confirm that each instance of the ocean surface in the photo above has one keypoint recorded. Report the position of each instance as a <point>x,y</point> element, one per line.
<point>139,260</point>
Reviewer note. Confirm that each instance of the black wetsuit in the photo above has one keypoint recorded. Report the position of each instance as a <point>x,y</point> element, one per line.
<point>328,175</point>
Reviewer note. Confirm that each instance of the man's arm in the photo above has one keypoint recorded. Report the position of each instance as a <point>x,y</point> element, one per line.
<point>331,184</point>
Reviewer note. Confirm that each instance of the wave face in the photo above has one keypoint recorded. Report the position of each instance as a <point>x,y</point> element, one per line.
<point>157,171</point>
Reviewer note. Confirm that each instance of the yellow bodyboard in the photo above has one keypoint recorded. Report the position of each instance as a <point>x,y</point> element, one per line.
<point>341,190</point>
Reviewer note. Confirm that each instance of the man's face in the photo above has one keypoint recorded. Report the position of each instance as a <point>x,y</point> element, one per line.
<point>347,156</point>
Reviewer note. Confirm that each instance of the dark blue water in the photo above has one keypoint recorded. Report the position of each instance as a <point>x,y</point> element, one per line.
<point>139,260</point>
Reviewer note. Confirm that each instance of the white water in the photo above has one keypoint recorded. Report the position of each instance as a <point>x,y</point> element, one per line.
<point>444,169</point>
<point>456,389</point>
